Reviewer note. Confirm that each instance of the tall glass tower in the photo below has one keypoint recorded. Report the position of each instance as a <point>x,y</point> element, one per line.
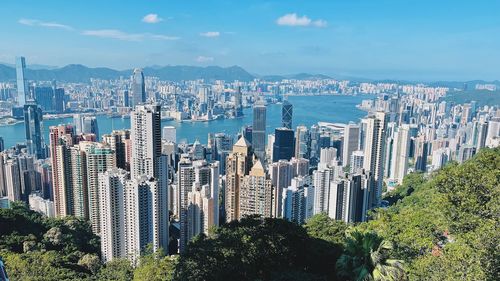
<point>286,114</point>
<point>138,88</point>
<point>22,87</point>
<point>259,130</point>
<point>32,123</point>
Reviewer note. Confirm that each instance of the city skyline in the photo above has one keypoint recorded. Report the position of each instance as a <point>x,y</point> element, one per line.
<point>444,41</point>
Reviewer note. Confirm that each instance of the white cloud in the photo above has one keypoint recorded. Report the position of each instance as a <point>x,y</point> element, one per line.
<point>294,20</point>
<point>121,35</point>
<point>204,59</point>
<point>114,34</point>
<point>210,34</point>
<point>33,22</point>
<point>151,18</point>
<point>163,37</point>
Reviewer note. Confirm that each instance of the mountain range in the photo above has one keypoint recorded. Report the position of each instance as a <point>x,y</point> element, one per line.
<point>79,73</point>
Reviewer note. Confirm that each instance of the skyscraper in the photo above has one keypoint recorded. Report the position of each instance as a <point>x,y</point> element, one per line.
<point>286,114</point>
<point>238,164</point>
<point>259,130</point>
<point>119,141</point>
<point>238,103</point>
<point>146,216</point>
<point>169,134</point>
<point>89,126</point>
<point>32,124</point>
<point>321,183</point>
<point>137,89</point>
<point>401,153</point>
<point>146,140</point>
<point>374,151</point>
<point>256,193</point>
<point>185,181</point>
<point>351,142</point>
<point>281,173</point>
<point>99,159</point>
<point>298,200</point>
<point>12,180</point>
<point>112,213</point>
<point>302,142</point>
<point>61,138</point>
<point>283,147</point>
<point>22,86</point>
<point>147,191</point>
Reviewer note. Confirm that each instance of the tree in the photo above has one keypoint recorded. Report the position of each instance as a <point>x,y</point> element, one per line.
<point>116,270</point>
<point>323,227</point>
<point>366,257</point>
<point>257,249</point>
<point>156,268</point>
<point>91,262</point>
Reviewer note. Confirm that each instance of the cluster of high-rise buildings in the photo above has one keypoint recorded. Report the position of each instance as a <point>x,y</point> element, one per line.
<point>139,187</point>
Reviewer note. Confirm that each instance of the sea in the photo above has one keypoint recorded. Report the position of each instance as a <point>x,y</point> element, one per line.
<point>307,110</point>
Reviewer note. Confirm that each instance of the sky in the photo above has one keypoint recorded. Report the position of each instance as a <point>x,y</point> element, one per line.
<point>424,40</point>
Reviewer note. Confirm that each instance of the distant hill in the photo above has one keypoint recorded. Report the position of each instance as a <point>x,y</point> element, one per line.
<point>299,76</point>
<point>81,73</point>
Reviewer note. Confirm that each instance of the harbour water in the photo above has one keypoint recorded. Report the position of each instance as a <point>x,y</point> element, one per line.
<point>307,110</point>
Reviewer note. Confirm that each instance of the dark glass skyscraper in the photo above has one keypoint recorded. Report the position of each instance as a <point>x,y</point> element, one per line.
<point>283,147</point>
<point>259,130</point>
<point>137,89</point>
<point>89,126</point>
<point>58,100</point>
<point>32,123</point>
<point>44,97</point>
<point>286,114</point>
<point>22,87</point>
<point>238,103</point>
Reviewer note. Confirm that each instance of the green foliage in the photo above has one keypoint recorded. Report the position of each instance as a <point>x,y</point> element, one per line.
<point>321,226</point>
<point>447,228</point>
<point>257,249</point>
<point>366,257</point>
<point>482,97</point>
<point>116,270</point>
<point>39,248</point>
<point>41,266</point>
<point>156,267</point>
<point>410,182</point>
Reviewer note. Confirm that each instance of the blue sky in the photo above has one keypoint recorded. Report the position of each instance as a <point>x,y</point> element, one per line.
<point>402,39</point>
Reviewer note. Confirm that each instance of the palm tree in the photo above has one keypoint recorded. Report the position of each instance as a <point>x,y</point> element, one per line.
<point>366,258</point>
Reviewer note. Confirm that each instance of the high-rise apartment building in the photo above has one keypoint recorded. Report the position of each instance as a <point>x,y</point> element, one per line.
<point>256,193</point>
<point>146,216</point>
<point>112,213</point>
<point>281,174</point>
<point>298,200</point>
<point>119,141</point>
<point>238,165</point>
<point>374,151</point>
<point>61,138</point>
<point>400,154</point>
